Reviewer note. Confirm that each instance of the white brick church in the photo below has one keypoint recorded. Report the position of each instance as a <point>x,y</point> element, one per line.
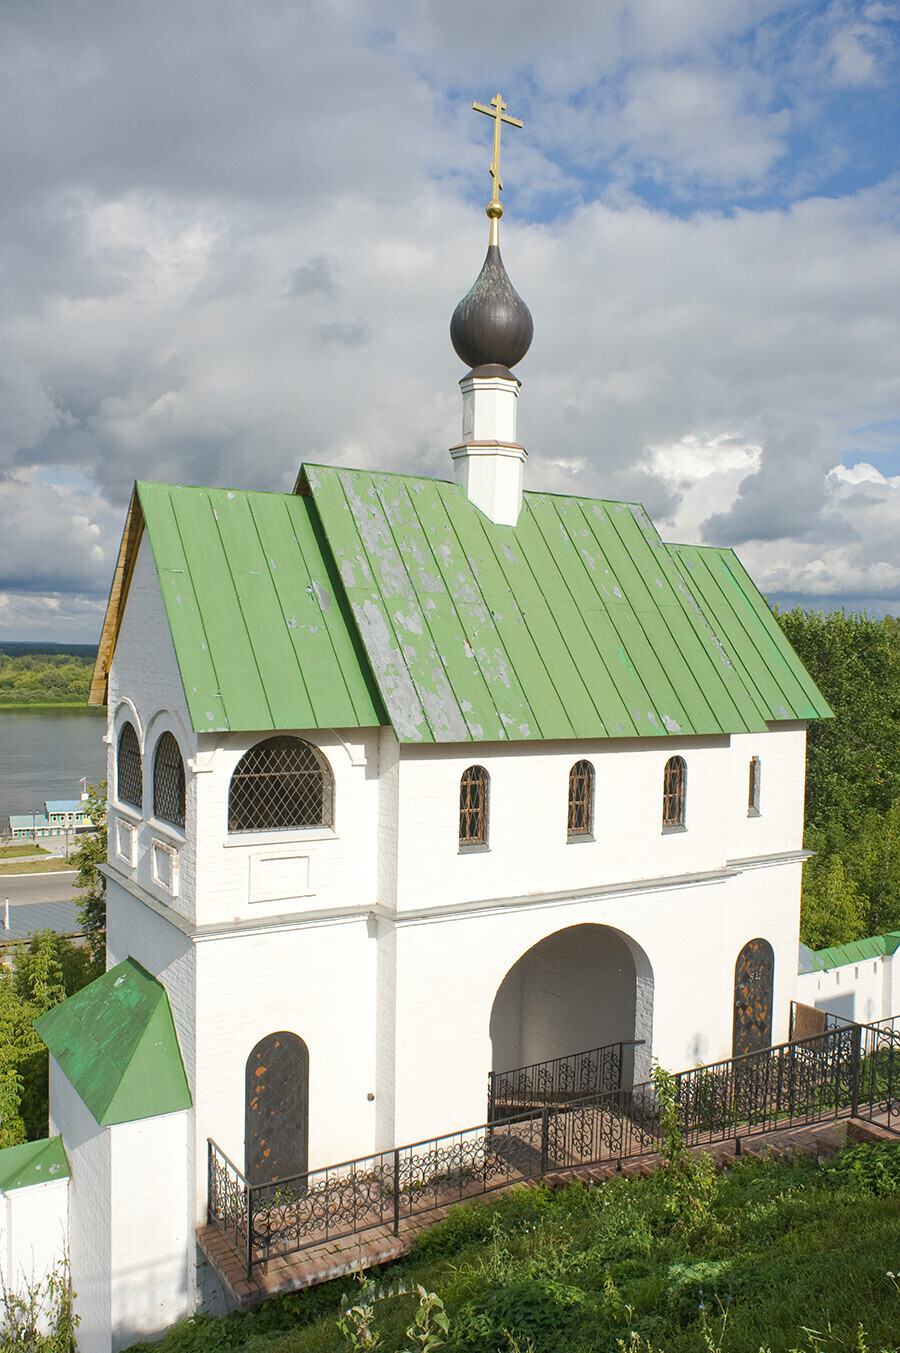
<point>409,780</point>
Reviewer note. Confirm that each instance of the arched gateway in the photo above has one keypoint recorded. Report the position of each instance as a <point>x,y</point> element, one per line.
<point>580,988</point>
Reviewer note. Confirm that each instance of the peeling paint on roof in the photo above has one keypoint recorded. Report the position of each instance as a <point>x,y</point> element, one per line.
<point>573,657</point>
<point>379,598</point>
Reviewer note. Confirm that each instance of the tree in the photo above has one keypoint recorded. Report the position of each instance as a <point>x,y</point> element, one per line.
<point>833,910</point>
<point>853,762</point>
<point>852,820</point>
<point>45,970</point>
<point>91,853</point>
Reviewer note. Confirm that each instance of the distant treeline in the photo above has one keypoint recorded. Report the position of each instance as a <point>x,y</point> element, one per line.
<point>61,676</point>
<point>18,649</point>
<point>851,888</point>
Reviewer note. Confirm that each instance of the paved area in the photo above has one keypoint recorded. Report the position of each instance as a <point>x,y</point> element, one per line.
<point>37,902</point>
<point>334,1259</point>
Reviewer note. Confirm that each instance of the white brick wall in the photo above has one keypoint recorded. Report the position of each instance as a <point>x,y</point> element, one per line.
<point>34,1238</point>
<point>90,1231</point>
<point>130,1241</point>
<point>528,848</point>
<point>332,868</point>
<point>145,689</point>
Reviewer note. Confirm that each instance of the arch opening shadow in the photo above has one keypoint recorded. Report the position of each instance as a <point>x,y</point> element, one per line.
<point>580,988</point>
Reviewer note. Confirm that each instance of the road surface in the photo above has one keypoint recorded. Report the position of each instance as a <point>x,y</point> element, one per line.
<point>37,902</point>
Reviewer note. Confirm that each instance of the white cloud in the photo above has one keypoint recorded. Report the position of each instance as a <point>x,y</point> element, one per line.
<point>217,266</point>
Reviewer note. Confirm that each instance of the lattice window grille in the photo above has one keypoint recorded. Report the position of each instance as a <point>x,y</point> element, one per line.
<point>279,785</point>
<point>473,806</point>
<point>168,781</point>
<point>581,799</point>
<point>674,778</point>
<point>129,777</point>
<point>753,794</point>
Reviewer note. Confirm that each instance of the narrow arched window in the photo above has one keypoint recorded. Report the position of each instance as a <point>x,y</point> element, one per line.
<point>129,779</point>
<point>473,806</point>
<point>168,781</point>
<point>280,784</point>
<point>755,785</point>
<point>581,799</point>
<point>674,786</point>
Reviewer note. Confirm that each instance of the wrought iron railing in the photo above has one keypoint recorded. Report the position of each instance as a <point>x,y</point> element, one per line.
<point>380,1190</point>
<point>559,1080</point>
<point>854,1068</point>
<point>879,1071</point>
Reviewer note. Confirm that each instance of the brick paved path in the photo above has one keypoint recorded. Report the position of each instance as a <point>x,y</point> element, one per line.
<point>335,1258</point>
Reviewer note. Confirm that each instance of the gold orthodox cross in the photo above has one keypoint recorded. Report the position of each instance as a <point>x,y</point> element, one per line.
<point>497,111</point>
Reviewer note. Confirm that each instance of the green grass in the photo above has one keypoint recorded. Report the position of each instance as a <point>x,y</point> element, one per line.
<point>44,864</point>
<point>20,849</point>
<point>773,1256</point>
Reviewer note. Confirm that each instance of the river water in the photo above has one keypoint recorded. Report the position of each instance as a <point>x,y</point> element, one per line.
<point>44,753</point>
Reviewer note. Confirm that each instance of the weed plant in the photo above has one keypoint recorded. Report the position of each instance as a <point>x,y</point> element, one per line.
<point>786,1257</point>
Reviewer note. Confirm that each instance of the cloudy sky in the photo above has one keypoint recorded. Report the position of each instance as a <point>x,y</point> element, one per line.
<point>232,235</point>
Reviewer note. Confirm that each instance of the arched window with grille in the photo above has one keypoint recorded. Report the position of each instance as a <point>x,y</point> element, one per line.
<point>129,778</point>
<point>674,792</point>
<point>279,785</point>
<point>473,806</point>
<point>168,781</point>
<point>581,800</point>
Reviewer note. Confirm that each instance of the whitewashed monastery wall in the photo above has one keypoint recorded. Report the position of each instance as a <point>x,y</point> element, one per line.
<point>861,991</point>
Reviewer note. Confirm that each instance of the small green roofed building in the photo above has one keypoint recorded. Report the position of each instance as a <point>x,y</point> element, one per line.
<point>115,1042</point>
<point>412,782</point>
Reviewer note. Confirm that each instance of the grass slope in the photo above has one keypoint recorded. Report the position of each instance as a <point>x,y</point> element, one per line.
<point>772,1256</point>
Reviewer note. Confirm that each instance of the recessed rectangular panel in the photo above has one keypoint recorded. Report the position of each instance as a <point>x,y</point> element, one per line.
<point>274,878</point>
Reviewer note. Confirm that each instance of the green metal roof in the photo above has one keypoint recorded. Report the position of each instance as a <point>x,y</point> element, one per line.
<point>367,599</point>
<point>260,627</point>
<point>32,1163</point>
<point>116,1042</point>
<point>577,622</point>
<point>779,684</point>
<point>857,951</point>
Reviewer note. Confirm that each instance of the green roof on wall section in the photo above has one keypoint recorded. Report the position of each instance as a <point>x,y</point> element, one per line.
<point>858,951</point>
<point>116,1042</point>
<point>32,1163</point>
<point>261,631</point>
<point>578,622</point>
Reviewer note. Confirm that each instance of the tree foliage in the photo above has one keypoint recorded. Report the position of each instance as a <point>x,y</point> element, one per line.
<point>852,886</point>
<point>45,970</point>
<point>45,679</point>
<point>91,853</point>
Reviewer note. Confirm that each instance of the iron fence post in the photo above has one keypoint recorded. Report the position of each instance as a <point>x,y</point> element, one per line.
<point>248,1199</point>
<point>209,1181</point>
<point>545,1141</point>
<point>396,1191</point>
<point>855,1057</point>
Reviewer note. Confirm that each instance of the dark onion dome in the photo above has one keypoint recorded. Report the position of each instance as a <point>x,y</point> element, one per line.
<point>492,324</point>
